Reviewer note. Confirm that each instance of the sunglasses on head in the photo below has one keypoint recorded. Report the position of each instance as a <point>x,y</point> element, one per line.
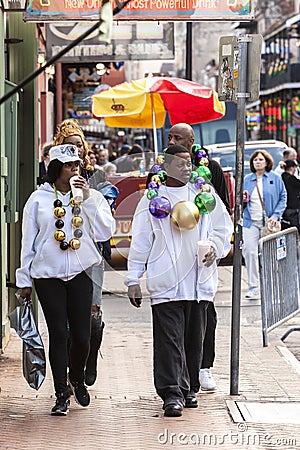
<point>69,150</point>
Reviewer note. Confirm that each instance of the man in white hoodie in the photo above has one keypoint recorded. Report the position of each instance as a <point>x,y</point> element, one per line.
<point>179,288</point>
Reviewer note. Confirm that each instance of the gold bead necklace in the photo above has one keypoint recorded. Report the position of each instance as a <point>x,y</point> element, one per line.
<point>77,222</point>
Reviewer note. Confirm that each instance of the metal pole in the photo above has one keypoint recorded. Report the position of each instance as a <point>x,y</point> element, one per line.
<point>58,93</point>
<point>189,51</point>
<point>239,175</point>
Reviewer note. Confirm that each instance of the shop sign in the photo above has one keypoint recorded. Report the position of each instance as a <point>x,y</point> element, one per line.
<point>144,41</point>
<point>183,10</point>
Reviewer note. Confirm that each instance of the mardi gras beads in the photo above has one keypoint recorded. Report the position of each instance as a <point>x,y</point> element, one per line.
<point>77,221</point>
<point>185,214</point>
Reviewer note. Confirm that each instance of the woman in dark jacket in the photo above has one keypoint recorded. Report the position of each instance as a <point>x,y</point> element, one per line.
<point>290,217</point>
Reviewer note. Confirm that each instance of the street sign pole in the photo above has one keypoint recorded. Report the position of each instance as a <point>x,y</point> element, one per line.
<point>239,75</point>
<point>241,97</point>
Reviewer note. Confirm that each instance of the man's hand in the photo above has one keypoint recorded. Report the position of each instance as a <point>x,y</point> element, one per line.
<point>135,295</point>
<point>209,258</point>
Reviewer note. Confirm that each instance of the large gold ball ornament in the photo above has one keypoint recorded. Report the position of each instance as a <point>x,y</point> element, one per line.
<point>74,244</point>
<point>77,221</point>
<point>59,235</point>
<point>185,215</point>
<point>59,212</point>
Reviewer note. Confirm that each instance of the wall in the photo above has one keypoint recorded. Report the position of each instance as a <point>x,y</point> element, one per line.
<point>21,63</point>
<point>4,329</point>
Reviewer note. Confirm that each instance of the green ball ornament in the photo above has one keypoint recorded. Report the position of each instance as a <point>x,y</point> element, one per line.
<point>204,172</point>
<point>208,200</point>
<point>162,175</point>
<point>200,205</point>
<point>193,176</point>
<point>195,148</point>
<point>152,193</point>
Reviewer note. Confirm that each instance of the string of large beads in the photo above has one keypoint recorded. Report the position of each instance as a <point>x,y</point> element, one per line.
<point>76,221</point>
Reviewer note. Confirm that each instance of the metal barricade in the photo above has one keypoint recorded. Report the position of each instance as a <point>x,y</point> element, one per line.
<point>279,279</point>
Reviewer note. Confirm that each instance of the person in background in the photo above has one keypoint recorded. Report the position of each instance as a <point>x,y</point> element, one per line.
<point>93,160</point>
<point>135,156</point>
<point>95,147</point>
<point>55,258</point>
<point>183,134</point>
<point>70,132</point>
<point>43,165</point>
<point>112,154</point>
<point>132,160</point>
<point>110,170</point>
<point>180,290</point>
<point>289,153</point>
<point>291,215</point>
<point>110,193</point>
<point>102,157</point>
<point>121,162</point>
<point>271,188</point>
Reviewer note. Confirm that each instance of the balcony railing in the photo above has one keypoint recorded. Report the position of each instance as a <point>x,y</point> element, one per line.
<point>280,77</point>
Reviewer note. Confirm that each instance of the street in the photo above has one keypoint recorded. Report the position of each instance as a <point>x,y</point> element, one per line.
<point>125,412</point>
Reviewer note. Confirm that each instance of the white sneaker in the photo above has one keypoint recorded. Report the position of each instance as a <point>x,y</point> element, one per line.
<point>206,380</point>
<point>252,294</point>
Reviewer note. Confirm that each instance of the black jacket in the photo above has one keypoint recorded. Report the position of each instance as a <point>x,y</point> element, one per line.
<point>292,185</point>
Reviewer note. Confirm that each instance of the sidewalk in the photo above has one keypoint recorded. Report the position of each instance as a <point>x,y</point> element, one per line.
<point>125,412</point>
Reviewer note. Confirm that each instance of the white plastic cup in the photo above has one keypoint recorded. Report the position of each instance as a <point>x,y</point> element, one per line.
<point>203,249</point>
<point>76,192</point>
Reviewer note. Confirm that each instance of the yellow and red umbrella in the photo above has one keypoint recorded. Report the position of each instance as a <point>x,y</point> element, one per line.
<point>131,105</point>
<point>143,103</point>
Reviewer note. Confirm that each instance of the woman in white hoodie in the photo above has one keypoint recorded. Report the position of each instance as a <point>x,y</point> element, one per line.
<point>58,248</point>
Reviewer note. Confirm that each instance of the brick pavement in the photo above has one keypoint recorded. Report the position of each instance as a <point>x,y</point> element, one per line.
<point>125,412</point>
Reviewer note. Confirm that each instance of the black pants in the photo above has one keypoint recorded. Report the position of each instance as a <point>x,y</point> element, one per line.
<point>63,303</point>
<point>178,334</point>
<point>210,337</point>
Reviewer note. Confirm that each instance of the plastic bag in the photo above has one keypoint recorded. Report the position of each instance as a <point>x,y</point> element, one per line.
<point>34,360</point>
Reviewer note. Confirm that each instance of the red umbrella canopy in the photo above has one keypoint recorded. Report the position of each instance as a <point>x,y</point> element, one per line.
<point>187,101</point>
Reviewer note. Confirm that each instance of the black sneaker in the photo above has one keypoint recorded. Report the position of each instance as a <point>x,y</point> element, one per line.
<point>81,395</point>
<point>191,400</point>
<point>61,407</point>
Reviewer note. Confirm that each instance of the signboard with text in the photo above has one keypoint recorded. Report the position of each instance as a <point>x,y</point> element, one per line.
<point>146,41</point>
<point>183,10</point>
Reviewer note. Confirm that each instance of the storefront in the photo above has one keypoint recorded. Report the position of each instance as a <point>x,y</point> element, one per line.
<point>280,84</point>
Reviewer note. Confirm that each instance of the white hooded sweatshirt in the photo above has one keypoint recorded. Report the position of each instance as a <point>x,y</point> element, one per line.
<point>41,256</point>
<point>170,255</point>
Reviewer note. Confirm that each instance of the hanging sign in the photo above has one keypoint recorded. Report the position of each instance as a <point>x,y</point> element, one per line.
<point>130,41</point>
<point>183,10</point>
